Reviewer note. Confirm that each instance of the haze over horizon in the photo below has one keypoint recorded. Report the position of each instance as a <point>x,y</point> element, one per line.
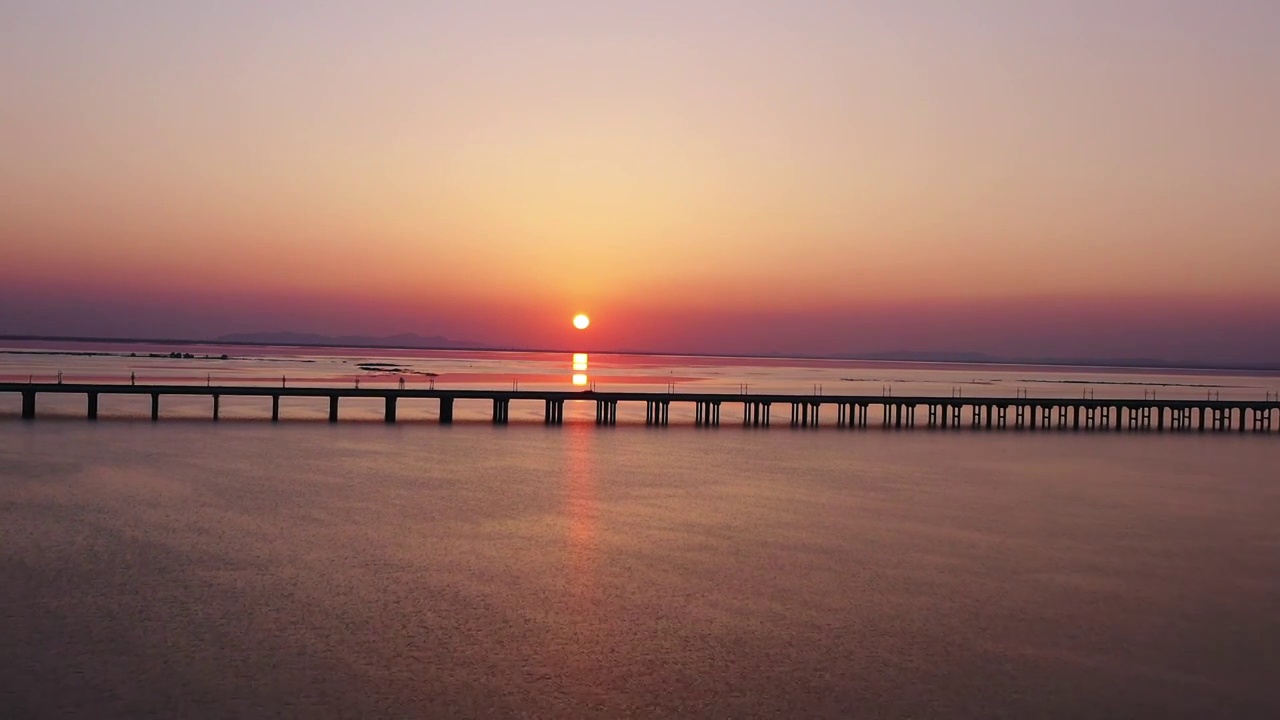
<point>1055,179</point>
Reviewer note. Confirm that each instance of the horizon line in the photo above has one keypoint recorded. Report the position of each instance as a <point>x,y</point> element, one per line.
<point>900,356</point>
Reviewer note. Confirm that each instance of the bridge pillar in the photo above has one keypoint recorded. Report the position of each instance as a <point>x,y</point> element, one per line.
<point>389,411</point>
<point>501,411</point>
<point>1002,416</point>
<point>606,412</point>
<point>1242,410</point>
<point>28,404</point>
<point>1020,414</point>
<point>333,408</point>
<point>1202,414</point>
<point>1075,421</point>
<point>446,411</point>
<point>216,406</point>
<point>275,408</point>
<point>92,410</point>
<point>707,413</point>
<point>155,407</point>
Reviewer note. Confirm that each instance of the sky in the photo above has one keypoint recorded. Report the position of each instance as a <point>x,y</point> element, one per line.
<point>1076,178</point>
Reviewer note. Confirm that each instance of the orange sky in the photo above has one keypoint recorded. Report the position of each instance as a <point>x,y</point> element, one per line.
<point>675,169</point>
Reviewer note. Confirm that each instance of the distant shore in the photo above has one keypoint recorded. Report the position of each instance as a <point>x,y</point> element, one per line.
<point>900,357</point>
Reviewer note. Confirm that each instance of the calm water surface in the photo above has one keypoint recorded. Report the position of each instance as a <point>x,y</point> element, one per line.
<point>243,569</point>
<point>201,570</point>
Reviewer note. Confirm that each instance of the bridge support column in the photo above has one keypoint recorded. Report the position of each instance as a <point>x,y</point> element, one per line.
<point>553,412</point>
<point>333,408</point>
<point>501,411</point>
<point>1020,414</point>
<point>1159,418</point>
<point>217,403</point>
<point>1202,414</point>
<point>446,411</point>
<point>707,414</point>
<point>1075,421</point>
<point>1242,411</point>
<point>1002,417</point>
<point>606,412</point>
<point>1090,417</point>
<point>991,416</point>
<point>28,404</point>
<point>275,408</point>
<point>92,409</point>
<point>155,407</point>
<point>389,411</point>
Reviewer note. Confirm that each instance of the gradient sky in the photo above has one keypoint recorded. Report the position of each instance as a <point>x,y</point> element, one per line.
<point>1083,178</point>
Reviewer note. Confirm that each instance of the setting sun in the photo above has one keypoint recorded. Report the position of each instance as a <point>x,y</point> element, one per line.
<point>581,321</point>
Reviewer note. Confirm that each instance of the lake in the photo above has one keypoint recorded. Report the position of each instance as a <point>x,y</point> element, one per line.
<point>196,569</point>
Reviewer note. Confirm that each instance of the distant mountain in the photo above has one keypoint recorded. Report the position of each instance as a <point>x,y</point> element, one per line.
<point>403,340</point>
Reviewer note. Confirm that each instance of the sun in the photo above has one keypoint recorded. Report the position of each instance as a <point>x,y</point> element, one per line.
<point>581,321</point>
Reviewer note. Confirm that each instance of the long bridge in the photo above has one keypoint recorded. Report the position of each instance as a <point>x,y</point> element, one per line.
<point>806,411</point>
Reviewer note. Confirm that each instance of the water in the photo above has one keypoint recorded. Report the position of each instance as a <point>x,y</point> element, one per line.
<point>194,569</point>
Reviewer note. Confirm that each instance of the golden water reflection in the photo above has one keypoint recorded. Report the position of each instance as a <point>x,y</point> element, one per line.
<point>580,369</point>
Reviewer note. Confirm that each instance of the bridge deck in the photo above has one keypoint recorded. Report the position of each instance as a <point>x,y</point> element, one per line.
<point>613,396</point>
<point>851,410</point>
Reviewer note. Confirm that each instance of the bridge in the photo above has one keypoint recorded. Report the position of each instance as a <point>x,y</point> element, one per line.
<point>806,411</point>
